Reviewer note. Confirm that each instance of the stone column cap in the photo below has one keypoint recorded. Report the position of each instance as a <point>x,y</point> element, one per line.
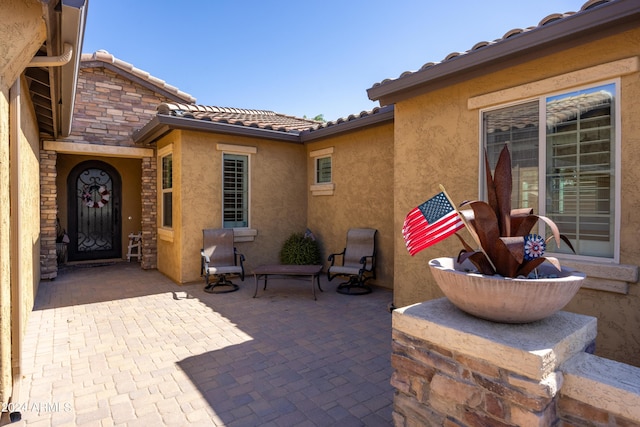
<point>534,350</point>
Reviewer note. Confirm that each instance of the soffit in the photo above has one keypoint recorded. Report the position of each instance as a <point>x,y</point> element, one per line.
<point>52,88</point>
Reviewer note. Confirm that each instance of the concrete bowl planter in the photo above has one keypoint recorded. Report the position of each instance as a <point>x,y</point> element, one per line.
<point>506,300</point>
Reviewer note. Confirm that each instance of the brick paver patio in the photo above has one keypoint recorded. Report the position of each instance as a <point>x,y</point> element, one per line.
<point>116,345</point>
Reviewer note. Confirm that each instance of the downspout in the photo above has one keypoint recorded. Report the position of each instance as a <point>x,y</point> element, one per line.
<point>53,61</point>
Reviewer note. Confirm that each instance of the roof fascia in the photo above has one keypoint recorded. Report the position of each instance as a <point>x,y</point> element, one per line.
<point>161,124</point>
<point>72,27</point>
<point>356,124</point>
<point>610,18</point>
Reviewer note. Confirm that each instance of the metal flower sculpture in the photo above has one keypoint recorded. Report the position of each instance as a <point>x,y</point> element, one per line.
<point>507,246</point>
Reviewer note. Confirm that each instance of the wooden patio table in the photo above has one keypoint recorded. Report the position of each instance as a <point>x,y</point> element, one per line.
<point>265,271</point>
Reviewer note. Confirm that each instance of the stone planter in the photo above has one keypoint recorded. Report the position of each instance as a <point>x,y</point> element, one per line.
<point>506,300</point>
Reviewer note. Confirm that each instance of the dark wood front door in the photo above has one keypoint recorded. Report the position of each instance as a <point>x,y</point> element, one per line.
<point>94,222</point>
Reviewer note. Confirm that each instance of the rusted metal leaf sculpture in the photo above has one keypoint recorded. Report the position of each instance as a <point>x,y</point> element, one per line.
<point>501,231</point>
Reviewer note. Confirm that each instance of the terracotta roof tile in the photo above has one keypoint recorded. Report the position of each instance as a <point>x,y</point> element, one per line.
<point>262,119</point>
<point>516,31</point>
<point>105,57</point>
<point>354,117</point>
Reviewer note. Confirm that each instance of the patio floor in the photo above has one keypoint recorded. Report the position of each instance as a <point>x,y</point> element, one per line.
<point>116,345</point>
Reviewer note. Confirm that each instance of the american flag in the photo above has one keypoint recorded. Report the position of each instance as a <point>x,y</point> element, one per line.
<point>429,223</point>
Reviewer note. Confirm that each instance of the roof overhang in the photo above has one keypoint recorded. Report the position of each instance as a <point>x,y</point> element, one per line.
<point>53,87</point>
<point>162,124</point>
<point>383,115</point>
<point>602,20</point>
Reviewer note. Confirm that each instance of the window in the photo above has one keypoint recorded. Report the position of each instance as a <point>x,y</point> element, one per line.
<point>323,174</point>
<point>235,190</point>
<point>323,170</point>
<point>167,190</point>
<point>566,168</point>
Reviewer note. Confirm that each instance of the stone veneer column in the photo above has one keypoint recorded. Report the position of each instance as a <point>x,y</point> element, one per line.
<point>149,214</point>
<point>453,369</point>
<point>48,214</point>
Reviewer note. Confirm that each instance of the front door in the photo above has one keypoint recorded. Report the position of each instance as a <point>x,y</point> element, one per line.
<point>94,223</point>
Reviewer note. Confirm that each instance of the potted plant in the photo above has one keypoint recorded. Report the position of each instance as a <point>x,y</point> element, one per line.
<point>507,279</point>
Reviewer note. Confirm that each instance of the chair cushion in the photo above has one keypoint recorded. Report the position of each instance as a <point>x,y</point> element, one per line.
<point>224,270</point>
<point>338,269</point>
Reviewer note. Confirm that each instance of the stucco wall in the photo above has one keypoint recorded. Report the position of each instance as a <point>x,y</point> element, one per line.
<point>28,198</point>
<point>362,172</point>
<point>437,142</point>
<point>18,43</point>
<point>169,256</point>
<point>277,201</point>
<point>5,260</point>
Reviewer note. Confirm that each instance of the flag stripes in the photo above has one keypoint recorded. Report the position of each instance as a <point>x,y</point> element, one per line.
<point>429,223</point>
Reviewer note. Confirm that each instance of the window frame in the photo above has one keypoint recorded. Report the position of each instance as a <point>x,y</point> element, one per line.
<point>162,154</point>
<point>320,170</point>
<point>541,98</point>
<point>246,208</point>
<point>322,188</point>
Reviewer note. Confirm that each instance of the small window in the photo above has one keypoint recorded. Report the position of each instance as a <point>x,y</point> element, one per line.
<point>167,191</point>
<point>235,191</point>
<point>323,170</point>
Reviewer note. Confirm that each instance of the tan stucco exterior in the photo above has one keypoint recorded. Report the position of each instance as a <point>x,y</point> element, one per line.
<point>437,142</point>
<point>197,198</point>
<point>26,194</point>
<point>19,228</point>
<point>5,259</point>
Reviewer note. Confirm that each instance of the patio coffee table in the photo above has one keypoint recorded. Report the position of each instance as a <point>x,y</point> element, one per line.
<point>265,271</point>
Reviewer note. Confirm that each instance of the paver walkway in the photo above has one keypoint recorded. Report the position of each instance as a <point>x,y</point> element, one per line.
<point>116,345</point>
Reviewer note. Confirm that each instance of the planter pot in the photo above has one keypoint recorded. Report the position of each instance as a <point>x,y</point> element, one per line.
<point>506,300</point>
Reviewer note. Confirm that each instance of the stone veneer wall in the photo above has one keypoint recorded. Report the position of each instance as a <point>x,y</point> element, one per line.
<point>149,214</point>
<point>452,369</point>
<point>48,214</point>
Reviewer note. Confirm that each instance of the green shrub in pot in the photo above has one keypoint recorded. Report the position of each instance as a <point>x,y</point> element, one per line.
<point>300,249</point>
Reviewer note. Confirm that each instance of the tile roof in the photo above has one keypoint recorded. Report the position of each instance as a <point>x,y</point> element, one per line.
<point>102,57</point>
<point>262,119</point>
<point>254,123</point>
<point>480,45</point>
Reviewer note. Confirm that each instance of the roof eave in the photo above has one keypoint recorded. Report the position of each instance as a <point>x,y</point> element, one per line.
<point>613,16</point>
<point>162,124</point>
<point>73,21</point>
<point>384,115</point>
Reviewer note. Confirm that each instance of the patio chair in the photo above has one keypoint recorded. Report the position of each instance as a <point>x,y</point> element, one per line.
<point>358,262</point>
<point>219,258</point>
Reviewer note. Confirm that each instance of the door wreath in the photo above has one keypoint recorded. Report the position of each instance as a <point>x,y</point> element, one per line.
<point>101,191</point>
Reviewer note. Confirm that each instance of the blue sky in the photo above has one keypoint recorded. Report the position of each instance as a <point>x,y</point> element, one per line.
<point>293,56</point>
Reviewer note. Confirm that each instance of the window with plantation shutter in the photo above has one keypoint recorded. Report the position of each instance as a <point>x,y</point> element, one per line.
<point>235,191</point>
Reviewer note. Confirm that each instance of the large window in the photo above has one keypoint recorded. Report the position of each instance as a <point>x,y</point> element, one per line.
<point>563,150</point>
<point>235,190</point>
<point>167,190</point>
